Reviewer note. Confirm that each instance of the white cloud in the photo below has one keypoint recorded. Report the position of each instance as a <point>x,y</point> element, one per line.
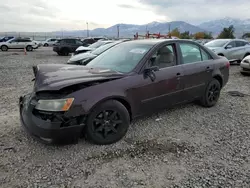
<point>197,11</point>
<point>42,15</point>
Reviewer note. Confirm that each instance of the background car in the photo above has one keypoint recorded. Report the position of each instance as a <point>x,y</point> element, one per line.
<point>85,58</point>
<point>92,40</point>
<point>49,42</point>
<point>5,39</point>
<point>19,43</point>
<point>66,46</point>
<point>82,49</point>
<point>233,49</point>
<point>245,66</point>
<point>132,79</point>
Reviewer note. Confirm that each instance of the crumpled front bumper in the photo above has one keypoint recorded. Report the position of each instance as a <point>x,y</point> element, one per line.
<point>45,131</point>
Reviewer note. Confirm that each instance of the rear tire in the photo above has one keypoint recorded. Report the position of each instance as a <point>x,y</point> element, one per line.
<point>65,52</point>
<point>107,123</point>
<point>29,48</point>
<point>4,48</point>
<point>212,93</point>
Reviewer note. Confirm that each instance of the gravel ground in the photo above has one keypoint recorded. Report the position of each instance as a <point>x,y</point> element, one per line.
<point>188,146</point>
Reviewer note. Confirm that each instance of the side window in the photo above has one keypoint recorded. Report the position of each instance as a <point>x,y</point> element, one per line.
<point>204,55</point>
<point>52,40</point>
<point>190,53</point>
<point>71,41</point>
<point>245,43</point>
<point>164,57</point>
<point>240,43</point>
<point>232,44</point>
<point>79,42</point>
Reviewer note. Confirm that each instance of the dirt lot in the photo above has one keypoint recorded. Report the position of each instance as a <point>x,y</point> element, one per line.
<point>188,146</point>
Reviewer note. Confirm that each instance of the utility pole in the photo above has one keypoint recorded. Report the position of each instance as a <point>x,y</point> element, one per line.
<point>87,29</point>
<point>169,30</point>
<point>118,31</point>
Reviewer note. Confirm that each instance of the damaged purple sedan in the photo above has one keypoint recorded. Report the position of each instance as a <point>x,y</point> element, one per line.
<point>131,79</point>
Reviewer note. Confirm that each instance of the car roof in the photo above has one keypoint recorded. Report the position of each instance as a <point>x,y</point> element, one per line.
<point>154,41</point>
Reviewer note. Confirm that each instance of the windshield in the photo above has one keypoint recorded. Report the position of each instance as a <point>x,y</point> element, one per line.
<point>103,48</point>
<point>121,58</point>
<point>97,44</point>
<point>217,43</point>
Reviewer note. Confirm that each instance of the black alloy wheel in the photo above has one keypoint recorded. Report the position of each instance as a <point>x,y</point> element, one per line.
<point>107,123</point>
<point>212,94</point>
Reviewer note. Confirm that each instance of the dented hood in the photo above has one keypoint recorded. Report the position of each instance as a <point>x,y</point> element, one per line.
<point>58,76</point>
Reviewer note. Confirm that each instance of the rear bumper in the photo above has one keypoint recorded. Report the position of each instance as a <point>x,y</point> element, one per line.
<point>45,131</point>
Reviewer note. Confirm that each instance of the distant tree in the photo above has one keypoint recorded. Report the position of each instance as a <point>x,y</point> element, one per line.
<point>227,33</point>
<point>199,35</point>
<point>185,35</point>
<point>203,35</point>
<point>175,33</point>
<point>246,35</point>
<point>208,35</point>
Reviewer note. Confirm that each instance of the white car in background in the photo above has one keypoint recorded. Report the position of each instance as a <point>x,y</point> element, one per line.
<point>19,43</point>
<point>245,66</point>
<point>233,49</point>
<point>82,49</point>
<point>49,42</point>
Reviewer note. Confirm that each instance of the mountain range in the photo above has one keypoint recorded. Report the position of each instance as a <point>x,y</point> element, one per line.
<point>129,30</point>
<point>126,30</point>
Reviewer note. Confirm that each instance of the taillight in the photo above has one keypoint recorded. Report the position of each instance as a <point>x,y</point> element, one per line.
<point>228,65</point>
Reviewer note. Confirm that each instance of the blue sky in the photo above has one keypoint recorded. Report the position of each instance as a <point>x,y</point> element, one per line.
<point>50,15</point>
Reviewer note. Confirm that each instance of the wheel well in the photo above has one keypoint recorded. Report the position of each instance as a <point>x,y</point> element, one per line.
<point>127,106</point>
<point>217,77</point>
<point>123,101</point>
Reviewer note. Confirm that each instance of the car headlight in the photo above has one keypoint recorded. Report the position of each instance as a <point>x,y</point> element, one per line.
<point>57,105</point>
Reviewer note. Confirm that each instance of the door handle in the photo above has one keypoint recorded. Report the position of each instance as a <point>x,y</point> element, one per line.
<point>178,75</point>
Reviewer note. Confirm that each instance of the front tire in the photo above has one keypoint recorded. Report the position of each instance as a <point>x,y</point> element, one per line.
<point>212,94</point>
<point>46,45</point>
<point>4,48</point>
<point>107,123</point>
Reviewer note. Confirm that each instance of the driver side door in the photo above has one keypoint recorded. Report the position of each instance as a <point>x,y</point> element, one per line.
<point>165,89</point>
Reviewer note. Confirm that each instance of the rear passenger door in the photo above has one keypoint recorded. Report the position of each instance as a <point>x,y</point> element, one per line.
<point>198,67</point>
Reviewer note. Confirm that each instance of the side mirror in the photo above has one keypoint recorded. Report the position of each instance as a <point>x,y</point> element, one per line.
<point>149,72</point>
<point>229,46</point>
